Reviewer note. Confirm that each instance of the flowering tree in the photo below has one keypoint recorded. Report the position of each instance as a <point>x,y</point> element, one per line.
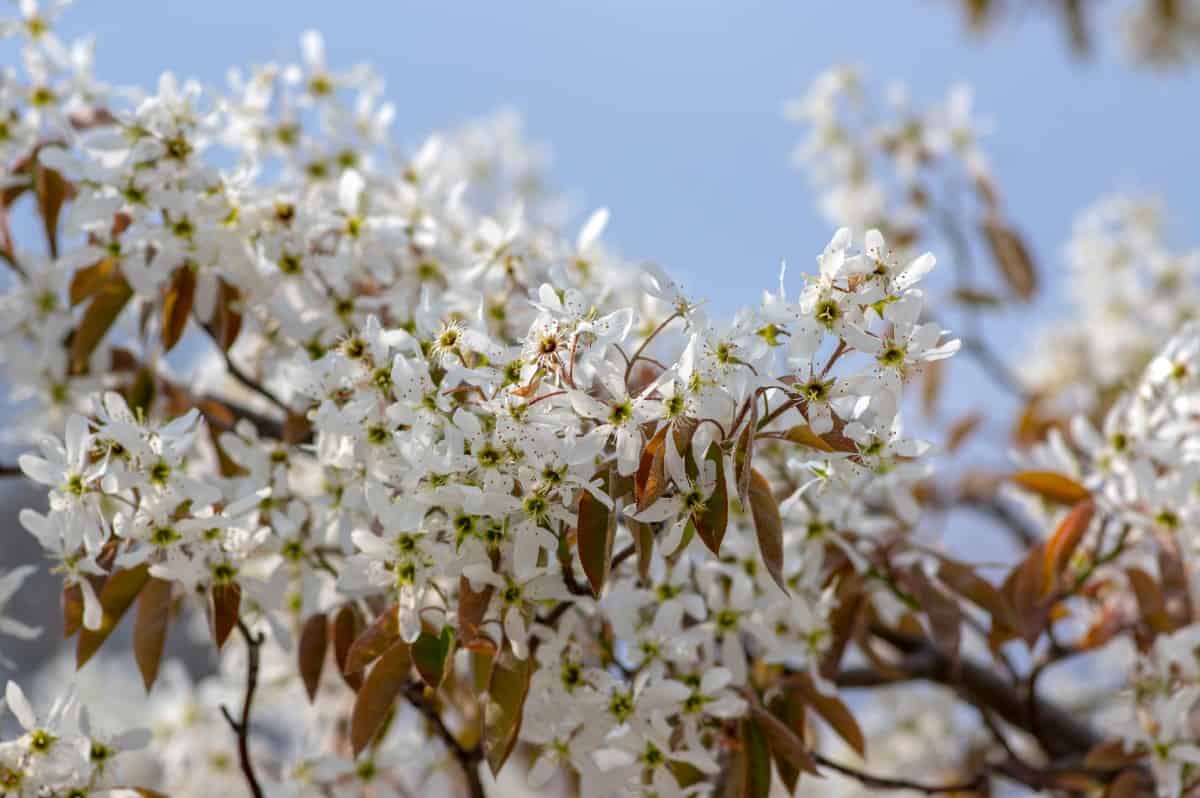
<point>475,499</point>
<point>1159,33</point>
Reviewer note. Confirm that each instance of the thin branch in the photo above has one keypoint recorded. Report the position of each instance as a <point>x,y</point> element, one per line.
<point>242,727</point>
<point>8,470</point>
<point>883,783</point>
<point>1059,732</point>
<point>997,509</point>
<point>637,354</point>
<point>248,382</point>
<point>995,367</point>
<point>468,758</point>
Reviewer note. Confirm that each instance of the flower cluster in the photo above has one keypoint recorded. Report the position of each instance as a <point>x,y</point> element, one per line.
<point>1130,292</point>
<point>883,166</point>
<point>438,431</point>
<point>1138,554</point>
<point>448,482</point>
<point>60,753</point>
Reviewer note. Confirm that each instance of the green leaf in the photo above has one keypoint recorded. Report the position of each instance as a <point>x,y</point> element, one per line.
<point>378,693</point>
<point>150,628</point>
<point>507,689</point>
<point>117,595</point>
<point>767,525</point>
<point>431,654</point>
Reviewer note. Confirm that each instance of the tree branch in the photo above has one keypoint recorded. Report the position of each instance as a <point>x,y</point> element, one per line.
<point>882,783</point>
<point>468,758</point>
<point>242,727</point>
<point>1058,731</point>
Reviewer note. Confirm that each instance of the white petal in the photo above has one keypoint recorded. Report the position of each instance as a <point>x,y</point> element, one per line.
<point>19,704</point>
<point>591,230</point>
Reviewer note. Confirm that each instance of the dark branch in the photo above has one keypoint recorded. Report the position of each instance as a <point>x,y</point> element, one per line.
<point>995,367</point>
<point>1059,732</point>
<point>242,727</point>
<point>883,783</point>
<point>468,758</point>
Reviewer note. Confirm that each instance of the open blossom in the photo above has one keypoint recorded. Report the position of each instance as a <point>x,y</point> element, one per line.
<point>444,478</point>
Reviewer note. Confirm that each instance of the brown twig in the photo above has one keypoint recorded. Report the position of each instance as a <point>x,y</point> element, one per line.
<point>883,783</point>
<point>1058,731</point>
<point>468,758</point>
<point>242,727</point>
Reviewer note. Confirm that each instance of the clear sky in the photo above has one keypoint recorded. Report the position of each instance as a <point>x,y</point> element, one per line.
<point>668,111</point>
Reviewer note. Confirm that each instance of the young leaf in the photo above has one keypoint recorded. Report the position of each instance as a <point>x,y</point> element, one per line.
<point>768,526</point>
<point>1051,485</point>
<point>150,628</point>
<point>945,617</point>
<point>756,764</point>
<point>90,280</point>
<point>507,689</point>
<point>1066,539</point>
<point>787,707</point>
<point>72,607</point>
<point>651,479</point>
<point>832,711</point>
<point>643,540</point>
<point>962,579</point>
<point>712,523</point>
<point>1150,600</point>
<point>52,190</point>
<point>380,636</point>
<point>1023,589</point>
<point>118,593</point>
<point>597,527</point>
<point>314,644</point>
<point>226,323</point>
<point>431,654</point>
<point>346,628</point>
<point>803,435</point>
<point>472,606</point>
<point>177,306</point>
<point>743,454</point>
<point>784,743</point>
<point>1012,257</point>
<point>378,693</point>
<point>224,610</point>
<point>106,305</point>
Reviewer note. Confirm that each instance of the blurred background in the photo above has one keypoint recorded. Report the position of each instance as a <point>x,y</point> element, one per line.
<point>670,114</point>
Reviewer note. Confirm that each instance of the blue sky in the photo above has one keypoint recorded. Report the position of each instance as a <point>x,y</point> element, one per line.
<point>668,111</point>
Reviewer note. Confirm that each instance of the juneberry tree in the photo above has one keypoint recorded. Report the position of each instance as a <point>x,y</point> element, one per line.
<point>465,503</point>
